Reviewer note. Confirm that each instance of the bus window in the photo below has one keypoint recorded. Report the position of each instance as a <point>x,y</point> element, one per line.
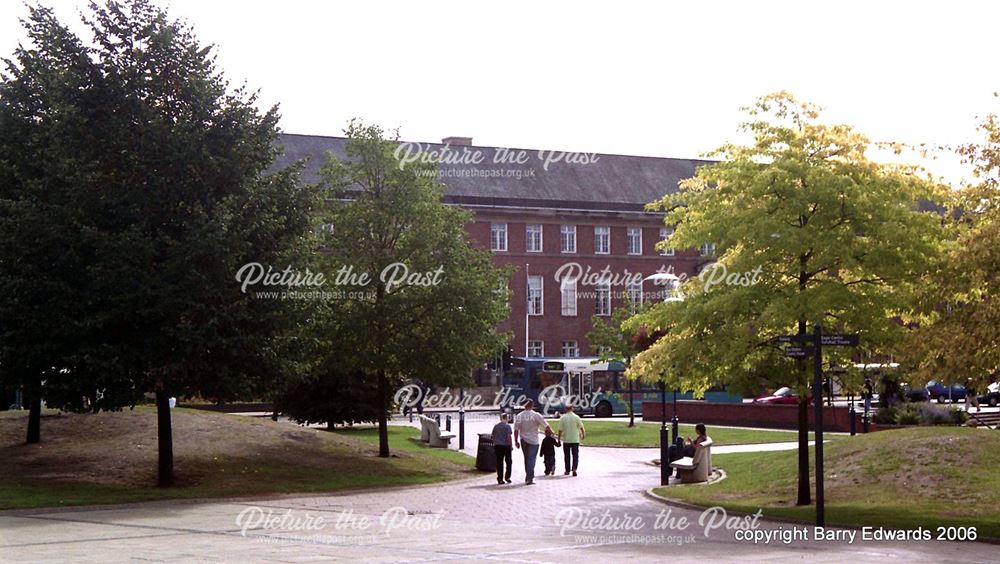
<point>549,379</point>
<point>604,380</point>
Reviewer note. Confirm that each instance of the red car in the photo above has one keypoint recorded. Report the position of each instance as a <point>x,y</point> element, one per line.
<point>784,395</point>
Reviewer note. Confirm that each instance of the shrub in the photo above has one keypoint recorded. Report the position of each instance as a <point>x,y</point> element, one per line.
<point>919,414</point>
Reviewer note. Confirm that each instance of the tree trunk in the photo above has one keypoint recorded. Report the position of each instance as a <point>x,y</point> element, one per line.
<point>631,408</point>
<point>804,493</point>
<point>383,423</point>
<point>34,421</point>
<point>165,441</point>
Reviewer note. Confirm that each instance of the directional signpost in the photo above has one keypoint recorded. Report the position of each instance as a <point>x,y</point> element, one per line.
<point>812,345</point>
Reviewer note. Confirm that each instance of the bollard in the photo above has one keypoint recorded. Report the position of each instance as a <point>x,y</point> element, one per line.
<point>437,417</point>
<point>461,429</point>
<point>864,423</point>
<point>664,457</point>
<point>447,423</point>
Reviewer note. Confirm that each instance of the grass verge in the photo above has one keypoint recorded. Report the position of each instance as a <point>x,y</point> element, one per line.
<point>907,478</point>
<point>645,434</point>
<point>111,458</point>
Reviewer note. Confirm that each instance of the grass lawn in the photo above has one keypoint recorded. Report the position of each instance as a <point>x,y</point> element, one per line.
<point>111,458</point>
<point>645,434</point>
<point>403,439</point>
<point>921,476</point>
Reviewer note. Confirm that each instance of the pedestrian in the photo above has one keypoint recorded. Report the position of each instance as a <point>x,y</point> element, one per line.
<point>571,432</point>
<point>502,449</point>
<point>970,397</point>
<point>869,393</point>
<point>548,452</point>
<point>526,429</point>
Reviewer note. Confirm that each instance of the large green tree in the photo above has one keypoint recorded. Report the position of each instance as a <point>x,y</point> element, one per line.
<point>162,191</point>
<point>809,230</point>
<point>958,326</point>
<point>436,324</point>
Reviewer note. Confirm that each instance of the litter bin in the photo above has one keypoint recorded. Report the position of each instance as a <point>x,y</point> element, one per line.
<point>486,458</point>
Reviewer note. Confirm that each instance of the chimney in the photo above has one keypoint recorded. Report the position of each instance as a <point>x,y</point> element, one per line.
<point>457,141</point>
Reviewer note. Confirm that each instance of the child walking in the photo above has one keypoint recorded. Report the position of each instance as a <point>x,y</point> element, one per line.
<point>548,452</point>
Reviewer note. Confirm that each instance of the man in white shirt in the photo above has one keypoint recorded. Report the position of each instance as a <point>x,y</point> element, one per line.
<point>527,426</point>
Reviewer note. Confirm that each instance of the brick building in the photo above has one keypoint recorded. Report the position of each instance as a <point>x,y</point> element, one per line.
<point>574,227</point>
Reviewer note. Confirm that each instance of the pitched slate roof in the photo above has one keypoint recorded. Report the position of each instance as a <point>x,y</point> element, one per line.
<point>544,178</point>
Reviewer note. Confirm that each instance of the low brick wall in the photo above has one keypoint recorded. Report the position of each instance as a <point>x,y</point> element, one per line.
<point>752,415</point>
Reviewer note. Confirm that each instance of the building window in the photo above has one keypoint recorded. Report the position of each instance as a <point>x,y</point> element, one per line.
<point>707,249</point>
<point>635,295</point>
<point>568,290</point>
<point>665,235</point>
<point>533,238</point>
<point>603,306</point>
<point>535,302</point>
<point>570,349</point>
<point>536,349</point>
<point>567,238</point>
<point>498,237</point>
<point>635,240</point>
<point>602,240</point>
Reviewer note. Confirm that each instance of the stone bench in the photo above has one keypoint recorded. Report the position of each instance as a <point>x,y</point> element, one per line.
<point>696,469</point>
<point>430,433</point>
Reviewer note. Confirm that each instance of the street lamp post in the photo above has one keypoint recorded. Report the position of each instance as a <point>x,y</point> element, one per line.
<point>664,442</point>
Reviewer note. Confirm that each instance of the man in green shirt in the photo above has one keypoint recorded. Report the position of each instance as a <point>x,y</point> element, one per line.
<point>571,432</point>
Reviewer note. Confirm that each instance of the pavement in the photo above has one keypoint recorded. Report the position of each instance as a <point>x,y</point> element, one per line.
<point>602,514</point>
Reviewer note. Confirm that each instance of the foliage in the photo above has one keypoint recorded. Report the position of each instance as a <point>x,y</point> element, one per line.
<point>148,180</point>
<point>809,231</point>
<point>959,321</point>
<point>833,237</point>
<point>436,326</point>
<point>920,414</point>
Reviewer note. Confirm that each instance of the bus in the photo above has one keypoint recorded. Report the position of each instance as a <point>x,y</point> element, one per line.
<point>593,387</point>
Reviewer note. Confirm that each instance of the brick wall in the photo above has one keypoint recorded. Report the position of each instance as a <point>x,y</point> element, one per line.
<point>752,415</point>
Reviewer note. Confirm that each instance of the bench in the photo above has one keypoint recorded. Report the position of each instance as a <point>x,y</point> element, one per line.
<point>695,469</point>
<point>430,433</point>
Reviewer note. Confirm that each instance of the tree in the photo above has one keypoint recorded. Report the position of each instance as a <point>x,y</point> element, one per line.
<point>418,300</point>
<point>808,230</point>
<point>958,324</point>
<point>162,180</point>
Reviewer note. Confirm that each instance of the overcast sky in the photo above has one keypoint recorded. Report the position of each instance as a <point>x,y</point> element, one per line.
<point>660,80</point>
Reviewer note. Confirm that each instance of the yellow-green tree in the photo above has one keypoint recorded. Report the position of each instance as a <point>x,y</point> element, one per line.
<point>809,230</point>
<point>958,336</point>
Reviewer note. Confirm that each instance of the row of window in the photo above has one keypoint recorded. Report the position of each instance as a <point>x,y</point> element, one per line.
<point>568,294</point>
<point>567,239</point>
<point>570,349</point>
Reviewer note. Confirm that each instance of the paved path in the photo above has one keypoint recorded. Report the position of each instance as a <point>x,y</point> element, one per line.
<point>465,521</point>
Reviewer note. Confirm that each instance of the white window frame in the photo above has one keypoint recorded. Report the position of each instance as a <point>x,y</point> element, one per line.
<point>570,349</point>
<point>665,234</point>
<point>498,245</point>
<point>707,249</point>
<point>529,231</point>
<point>602,232</point>
<point>567,234</point>
<point>538,347</point>
<point>567,291</point>
<point>634,293</point>
<point>634,235</point>
<point>602,298</point>
<point>536,296</point>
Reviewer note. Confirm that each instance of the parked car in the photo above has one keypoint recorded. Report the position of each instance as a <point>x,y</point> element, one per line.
<point>915,394</point>
<point>992,395</point>
<point>938,391</point>
<point>784,395</point>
